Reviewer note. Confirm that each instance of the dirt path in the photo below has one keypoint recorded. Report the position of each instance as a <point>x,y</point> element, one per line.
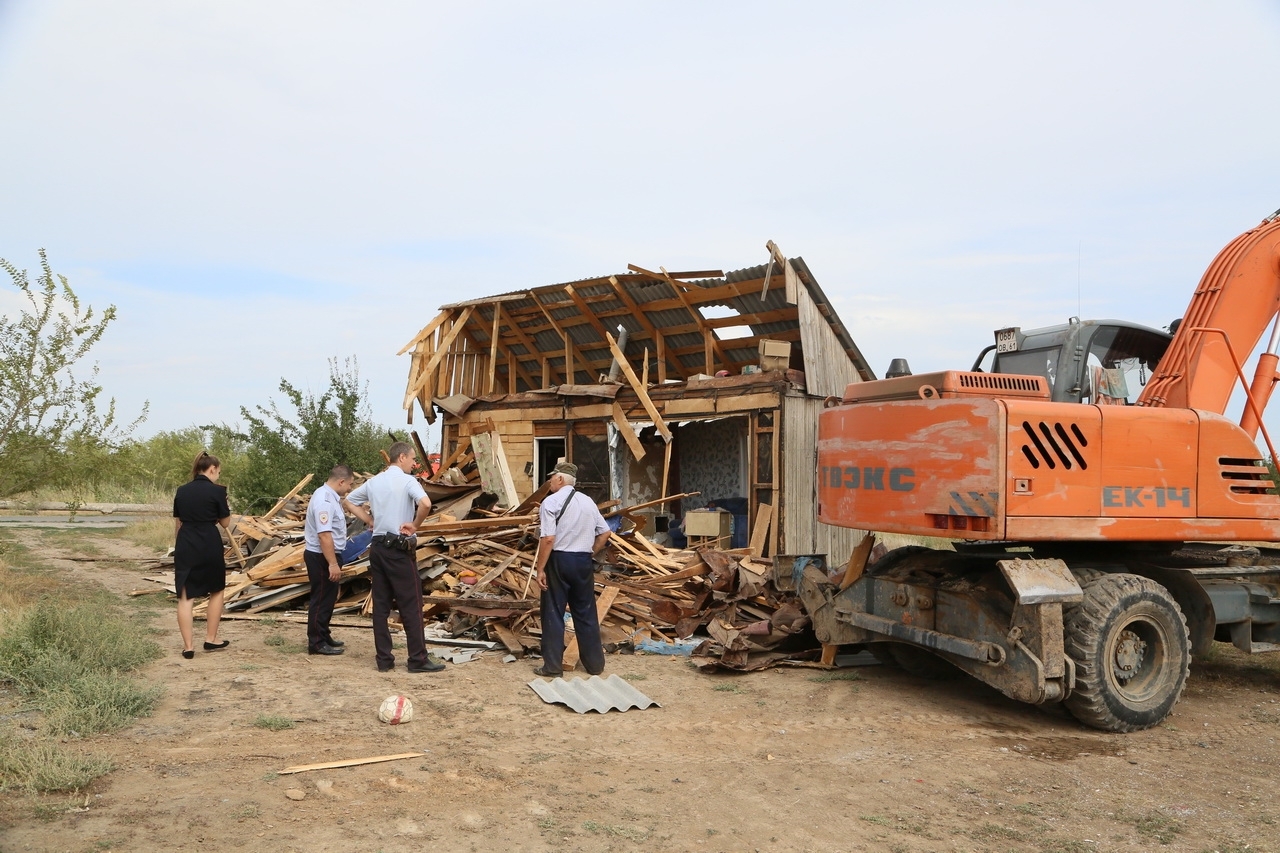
<point>785,760</point>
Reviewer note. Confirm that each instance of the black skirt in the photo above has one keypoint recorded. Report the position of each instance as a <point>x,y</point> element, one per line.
<point>198,565</point>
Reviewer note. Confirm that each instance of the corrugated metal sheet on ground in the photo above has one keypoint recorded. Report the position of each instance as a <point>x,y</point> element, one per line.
<point>601,695</point>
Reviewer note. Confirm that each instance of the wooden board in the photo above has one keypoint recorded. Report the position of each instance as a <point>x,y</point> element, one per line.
<point>604,601</point>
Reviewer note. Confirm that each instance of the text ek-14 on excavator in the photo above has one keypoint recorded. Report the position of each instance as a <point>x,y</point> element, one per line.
<point>1089,481</point>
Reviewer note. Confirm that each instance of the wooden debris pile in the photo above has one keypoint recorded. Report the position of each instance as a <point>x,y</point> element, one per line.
<point>479,583</point>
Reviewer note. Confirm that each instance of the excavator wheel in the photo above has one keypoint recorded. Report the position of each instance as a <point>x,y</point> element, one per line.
<point>1132,652</point>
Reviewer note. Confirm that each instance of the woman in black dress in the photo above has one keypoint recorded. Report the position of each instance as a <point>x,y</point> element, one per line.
<point>198,508</point>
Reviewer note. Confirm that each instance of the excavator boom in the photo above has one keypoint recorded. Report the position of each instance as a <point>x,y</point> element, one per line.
<point>1239,295</point>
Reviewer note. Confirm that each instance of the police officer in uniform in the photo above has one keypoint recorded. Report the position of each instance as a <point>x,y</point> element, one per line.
<point>398,504</point>
<point>325,534</point>
<point>572,531</point>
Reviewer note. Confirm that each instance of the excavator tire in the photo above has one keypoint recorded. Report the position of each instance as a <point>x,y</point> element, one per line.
<point>1132,651</point>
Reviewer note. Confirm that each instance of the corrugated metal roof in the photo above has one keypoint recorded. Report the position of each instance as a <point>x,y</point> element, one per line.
<point>601,695</point>
<point>658,315</point>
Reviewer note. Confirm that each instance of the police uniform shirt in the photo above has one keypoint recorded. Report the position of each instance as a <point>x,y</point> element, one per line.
<point>325,515</point>
<point>578,526</point>
<point>393,497</point>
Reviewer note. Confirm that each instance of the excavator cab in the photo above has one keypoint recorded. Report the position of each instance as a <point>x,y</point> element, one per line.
<point>1107,362</point>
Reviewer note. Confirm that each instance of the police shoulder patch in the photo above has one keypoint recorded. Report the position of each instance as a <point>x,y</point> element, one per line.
<point>324,518</point>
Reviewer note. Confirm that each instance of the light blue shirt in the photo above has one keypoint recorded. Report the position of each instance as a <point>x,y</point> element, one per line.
<point>578,526</point>
<point>325,515</point>
<point>393,498</point>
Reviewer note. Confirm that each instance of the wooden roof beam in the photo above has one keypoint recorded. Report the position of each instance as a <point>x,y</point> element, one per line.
<point>646,324</point>
<point>494,340</point>
<point>442,349</point>
<point>571,347</point>
<point>426,332</point>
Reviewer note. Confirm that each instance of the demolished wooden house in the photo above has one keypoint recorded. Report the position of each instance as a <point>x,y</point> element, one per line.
<point>654,384</point>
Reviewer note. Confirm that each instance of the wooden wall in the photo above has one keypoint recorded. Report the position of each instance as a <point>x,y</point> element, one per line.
<point>802,533</point>
<point>827,368</point>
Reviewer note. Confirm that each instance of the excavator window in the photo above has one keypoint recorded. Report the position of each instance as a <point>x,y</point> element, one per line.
<point>1031,362</point>
<point>1120,361</point>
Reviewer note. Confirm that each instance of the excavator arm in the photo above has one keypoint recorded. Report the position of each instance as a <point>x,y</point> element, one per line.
<point>1238,297</point>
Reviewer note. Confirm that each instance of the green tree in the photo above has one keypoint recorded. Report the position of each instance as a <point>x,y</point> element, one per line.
<point>45,410</point>
<point>319,432</point>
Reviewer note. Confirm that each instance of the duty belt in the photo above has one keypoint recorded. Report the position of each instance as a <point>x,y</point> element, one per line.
<point>395,540</point>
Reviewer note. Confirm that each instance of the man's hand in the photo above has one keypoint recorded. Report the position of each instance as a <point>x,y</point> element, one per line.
<point>542,577</point>
<point>408,529</point>
<point>335,572</point>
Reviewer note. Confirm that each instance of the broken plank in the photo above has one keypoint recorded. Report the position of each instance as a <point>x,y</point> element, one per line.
<point>351,762</point>
<point>280,504</point>
<point>603,602</point>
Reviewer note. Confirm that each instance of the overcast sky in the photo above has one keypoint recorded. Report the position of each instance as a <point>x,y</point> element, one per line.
<point>260,186</point>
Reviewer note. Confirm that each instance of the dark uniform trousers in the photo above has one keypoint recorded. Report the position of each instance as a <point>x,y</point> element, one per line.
<point>395,579</point>
<point>571,580</point>
<point>324,595</point>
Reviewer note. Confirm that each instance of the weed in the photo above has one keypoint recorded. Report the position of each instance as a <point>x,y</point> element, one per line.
<point>728,688</point>
<point>615,831</point>
<point>1159,826</point>
<point>1029,808</point>
<point>72,662</point>
<point>250,667</point>
<point>996,832</point>
<point>1262,715</point>
<point>247,812</point>
<point>273,722</point>
<point>39,766</point>
<point>270,776</point>
<point>546,822</point>
<point>636,676</point>
<point>878,820</point>
<point>827,677</point>
<point>274,640</point>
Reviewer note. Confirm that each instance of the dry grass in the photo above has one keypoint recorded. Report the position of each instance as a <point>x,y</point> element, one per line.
<point>152,532</point>
<point>69,653</point>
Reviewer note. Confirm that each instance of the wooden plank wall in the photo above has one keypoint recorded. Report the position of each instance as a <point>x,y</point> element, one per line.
<point>827,368</point>
<point>802,533</point>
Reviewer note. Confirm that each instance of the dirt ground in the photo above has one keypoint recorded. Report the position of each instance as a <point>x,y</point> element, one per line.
<point>783,760</point>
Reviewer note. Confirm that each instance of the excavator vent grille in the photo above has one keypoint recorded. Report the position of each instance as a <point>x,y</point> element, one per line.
<point>1247,476</point>
<point>1054,444</point>
<point>1000,382</point>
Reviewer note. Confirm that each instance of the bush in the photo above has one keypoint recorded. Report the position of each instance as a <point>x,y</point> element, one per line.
<point>321,432</point>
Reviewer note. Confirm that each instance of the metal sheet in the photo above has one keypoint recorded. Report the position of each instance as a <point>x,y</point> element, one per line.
<point>1041,581</point>
<point>592,694</point>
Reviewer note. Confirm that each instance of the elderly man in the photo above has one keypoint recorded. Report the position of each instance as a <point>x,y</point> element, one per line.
<point>399,505</point>
<point>572,532</point>
<point>325,535</point>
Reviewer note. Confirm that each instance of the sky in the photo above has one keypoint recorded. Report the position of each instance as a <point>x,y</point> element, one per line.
<point>261,187</point>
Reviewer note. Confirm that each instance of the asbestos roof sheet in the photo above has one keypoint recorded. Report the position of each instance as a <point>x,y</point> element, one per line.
<point>601,695</point>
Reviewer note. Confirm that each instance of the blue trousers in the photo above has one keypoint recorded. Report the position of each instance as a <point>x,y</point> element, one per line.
<point>571,581</point>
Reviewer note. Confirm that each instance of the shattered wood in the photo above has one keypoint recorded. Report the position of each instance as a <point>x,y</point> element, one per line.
<point>477,569</point>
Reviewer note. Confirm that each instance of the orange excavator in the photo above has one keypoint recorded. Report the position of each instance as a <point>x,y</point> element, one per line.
<point>1108,520</point>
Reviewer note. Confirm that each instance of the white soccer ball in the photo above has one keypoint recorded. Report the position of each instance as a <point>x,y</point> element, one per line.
<point>395,710</point>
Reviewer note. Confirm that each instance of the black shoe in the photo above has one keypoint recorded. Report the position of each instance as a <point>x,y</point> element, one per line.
<point>337,644</point>
<point>546,673</point>
<point>213,647</point>
<point>386,667</point>
<point>325,649</point>
<point>188,653</point>
<point>432,665</point>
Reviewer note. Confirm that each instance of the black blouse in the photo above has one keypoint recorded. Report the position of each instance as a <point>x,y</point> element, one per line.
<point>201,500</point>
